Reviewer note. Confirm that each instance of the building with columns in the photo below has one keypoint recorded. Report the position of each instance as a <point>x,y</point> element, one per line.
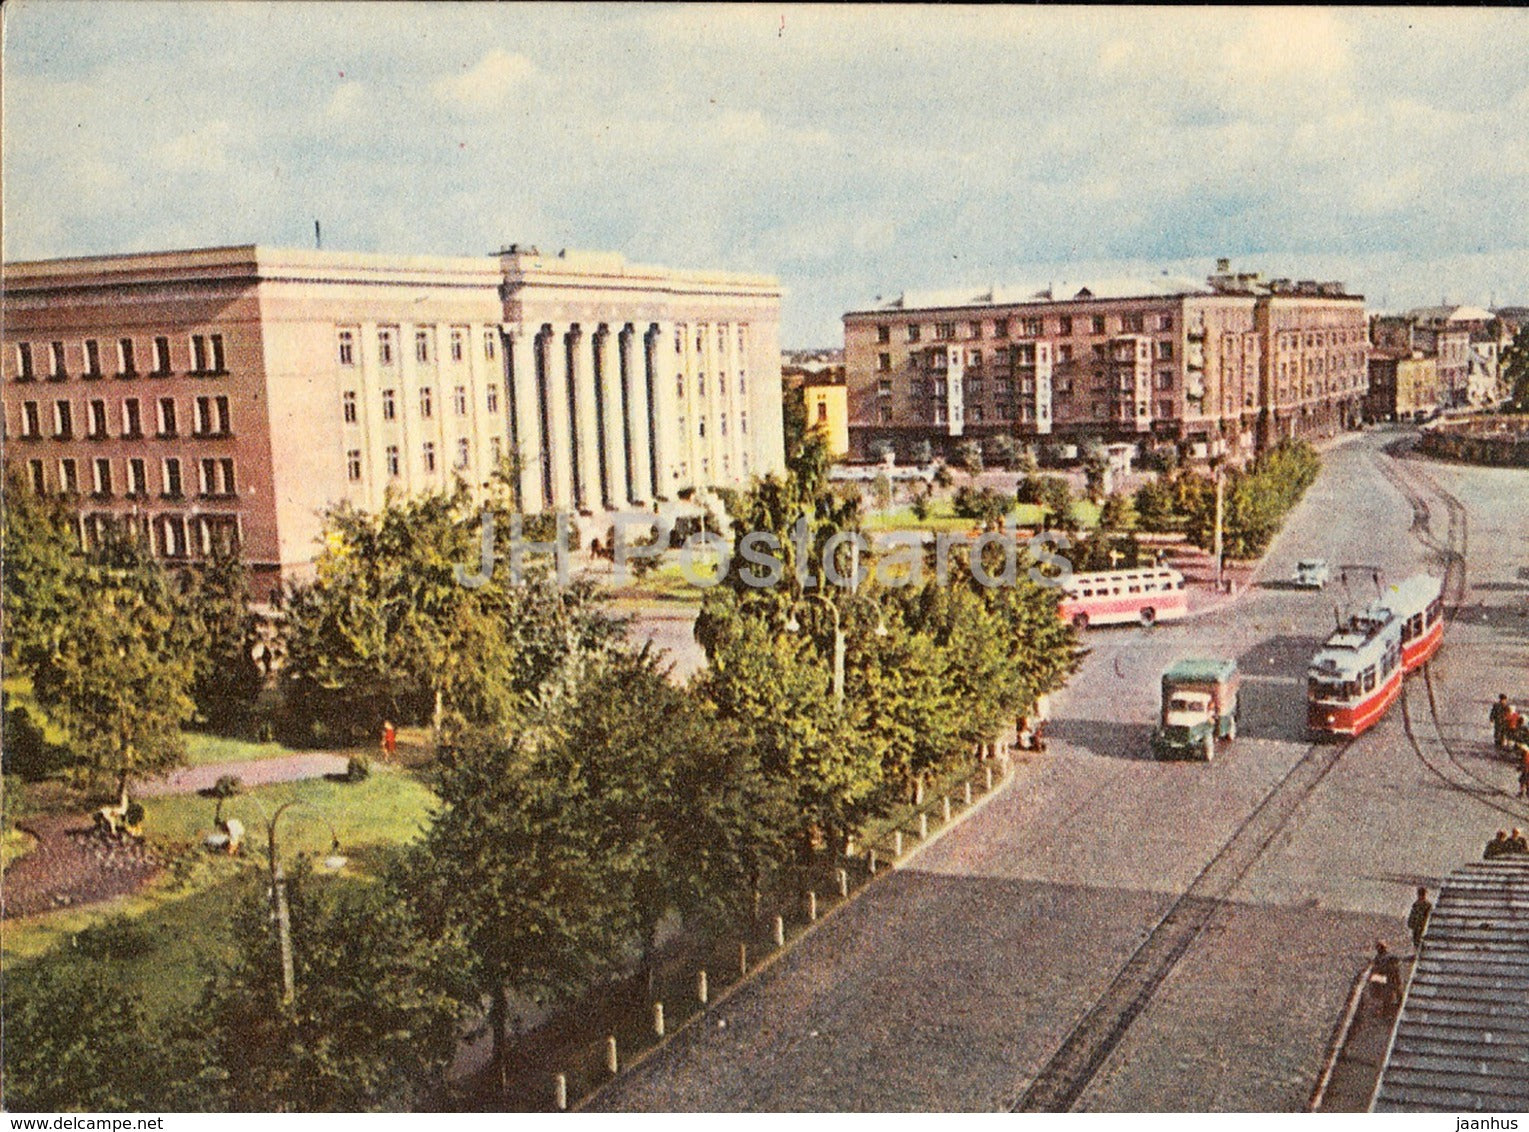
<point>231,395</point>
<point>1221,367</point>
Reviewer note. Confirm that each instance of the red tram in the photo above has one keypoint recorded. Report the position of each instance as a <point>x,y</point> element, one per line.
<point>1358,673</point>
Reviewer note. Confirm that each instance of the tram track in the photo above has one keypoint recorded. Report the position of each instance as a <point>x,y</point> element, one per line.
<point>1063,1079</point>
<point>1453,551</point>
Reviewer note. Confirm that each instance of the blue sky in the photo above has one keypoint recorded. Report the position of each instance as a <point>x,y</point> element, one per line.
<point>850,151</point>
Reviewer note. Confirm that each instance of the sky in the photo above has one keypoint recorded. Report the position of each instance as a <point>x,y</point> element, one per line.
<point>850,151</point>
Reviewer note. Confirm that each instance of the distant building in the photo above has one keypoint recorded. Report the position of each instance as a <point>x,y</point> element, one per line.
<point>828,410</point>
<point>1227,366</point>
<point>229,395</point>
<point>1465,341</point>
<point>1404,385</point>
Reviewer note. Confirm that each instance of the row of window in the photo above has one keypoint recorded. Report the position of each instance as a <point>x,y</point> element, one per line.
<point>204,357</point>
<point>1132,322</point>
<point>392,458</point>
<point>350,403</point>
<point>210,418</point>
<point>1314,339</point>
<point>700,385</point>
<point>743,425</point>
<point>741,330</point>
<point>215,477</point>
<point>424,344</point>
<point>166,534</point>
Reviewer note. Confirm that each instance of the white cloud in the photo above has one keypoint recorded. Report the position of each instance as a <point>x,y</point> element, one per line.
<point>488,85</point>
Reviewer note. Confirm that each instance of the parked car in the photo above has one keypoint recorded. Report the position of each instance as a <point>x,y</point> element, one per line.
<point>1311,573</point>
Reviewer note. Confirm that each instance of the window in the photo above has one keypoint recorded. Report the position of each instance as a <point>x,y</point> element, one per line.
<point>428,453</point>
<point>883,334</point>
<point>391,459</point>
<point>386,337</point>
<point>1132,323</point>
<point>1096,323</point>
<point>173,535</point>
<point>57,370</point>
<point>884,415</point>
<point>974,387</point>
<point>1165,379</point>
<point>975,330</point>
<point>198,354</point>
<point>29,420</point>
<point>976,414</point>
<point>944,331</point>
<point>701,427</point>
<point>882,387</point>
<point>24,362</point>
<point>458,338</point>
<point>347,339</point>
<point>1064,324</point>
<point>125,366</point>
<point>220,405</point>
<point>201,421</point>
<point>884,363</point>
<point>172,477</point>
<point>1165,322</point>
<point>1032,327</point>
<point>34,471</point>
<point>353,465</point>
<point>913,330</point>
<point>493,397</point>
<point>700,385</point>
<point>1165,408</point>
<point>389,405</point>
<point>92,358</point>
<point>166,415</point>
<point>1064,353</point>
<point>348,407</point>
<point>743,428</point>
<point>464,452</point>
<point>489,347</point>
<point>209,471</point>
<point>426,404</point>
<point>98,420</point>
<point>679,387</point>
<point>137,478</point>
<point>459,400</point>
<point>1001,328</point>
<point>103,476</point>
<point>422,346</point>
<point>975,360</point>
<point>1165,351</point>
<point>63,420</point>
<point>161,357</point>
<point>68,477</point>
<point>495,451</point>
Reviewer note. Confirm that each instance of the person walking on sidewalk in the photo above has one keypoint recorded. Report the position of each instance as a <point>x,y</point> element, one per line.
<point>1417,919</point>
<point>1499,719</point>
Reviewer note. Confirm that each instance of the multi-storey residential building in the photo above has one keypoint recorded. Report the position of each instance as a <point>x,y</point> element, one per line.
<point>1221,367</point>
<point>1465,342</point>
<point>231,395</point>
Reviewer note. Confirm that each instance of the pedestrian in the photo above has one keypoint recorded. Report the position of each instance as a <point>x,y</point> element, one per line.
<point>1496,847</point>
<point>1523,777</point>
<point>1417,919</point>
<point>1498,717</point>
<point>1387,970</point>
<point>389,738</point>
<point>1517,842</point>
<point>1041,718</point>
<point>1510,725</point>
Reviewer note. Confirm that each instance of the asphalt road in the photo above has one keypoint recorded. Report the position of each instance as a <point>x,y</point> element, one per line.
<point>953,984</point>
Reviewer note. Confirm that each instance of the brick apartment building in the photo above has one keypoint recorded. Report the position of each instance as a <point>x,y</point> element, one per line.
<point>1225,367</point>
<point>230,395</point>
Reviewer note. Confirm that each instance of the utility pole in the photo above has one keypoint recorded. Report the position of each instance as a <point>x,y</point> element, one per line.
<point>1220,509</point>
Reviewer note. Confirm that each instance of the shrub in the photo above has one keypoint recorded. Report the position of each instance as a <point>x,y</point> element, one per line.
<point>358,768</point>
<point>134,815</point>
<point>117,937</point>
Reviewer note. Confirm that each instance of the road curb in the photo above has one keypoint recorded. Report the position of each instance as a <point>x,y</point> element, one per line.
<point>793,942</point>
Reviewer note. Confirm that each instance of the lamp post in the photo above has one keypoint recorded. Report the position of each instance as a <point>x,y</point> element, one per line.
<point>280,911</point>
<point>792,625</point>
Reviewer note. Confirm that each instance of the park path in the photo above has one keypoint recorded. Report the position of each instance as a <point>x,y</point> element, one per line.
<point>252,772</point>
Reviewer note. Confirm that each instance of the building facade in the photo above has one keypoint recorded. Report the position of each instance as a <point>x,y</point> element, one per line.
<point>231,395</point>
<point>1226,367</point>
<point>1404,385</point>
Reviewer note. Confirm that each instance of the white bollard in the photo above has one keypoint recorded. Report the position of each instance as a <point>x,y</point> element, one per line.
<point>990,778</point>
<point>658,1018</point>
<point>757,899</point>
<point>812,906</point>
<point>843,883</point>
<point>923,827</point>
<point>611,1064</point>
<point>968,793</point>
<point>897,844</point>
<point>743,959</point>
<point>780,931</point>
<point>702,992</point>
<point>849,846</point>
<point>871,861</point>
<point>947,809</point>
<point>560,1092</point>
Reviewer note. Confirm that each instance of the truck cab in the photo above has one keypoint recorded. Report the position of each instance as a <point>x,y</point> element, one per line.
<point>1199,709</point>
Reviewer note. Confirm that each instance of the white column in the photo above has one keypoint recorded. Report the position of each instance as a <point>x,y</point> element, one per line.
<point>586,420</point>
<point>613,413</point>
<point>662,410</point>
<point>525,436</point>
<point>551,357</point>
<point>634,377</point>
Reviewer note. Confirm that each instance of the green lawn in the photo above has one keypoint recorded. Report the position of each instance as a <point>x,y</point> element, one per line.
<point>202,749</point>
<point>942,517</point>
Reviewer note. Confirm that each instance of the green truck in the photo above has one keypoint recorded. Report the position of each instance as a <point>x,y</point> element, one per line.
<point>1199,708</point>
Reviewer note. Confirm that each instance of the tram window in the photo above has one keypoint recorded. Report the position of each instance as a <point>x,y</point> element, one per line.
<point>1179,584</point>
<point>1133,589</point>
<point>1369,679</point>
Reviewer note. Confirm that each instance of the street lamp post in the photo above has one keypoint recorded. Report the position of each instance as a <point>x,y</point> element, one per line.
<point>280,911</point>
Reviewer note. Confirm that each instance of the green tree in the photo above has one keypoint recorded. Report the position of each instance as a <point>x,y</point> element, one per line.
<point>44,571</point>
<point>1056,502</point>
<point>923,453</point>
<point>227,681</point>
<point>1515,370</point>
<point>969,457</point>
<point>374,1020</point>
<point>1118,513</point>
<point>119,678</point>
<point>1096,463</point>
<point>1001,451</point>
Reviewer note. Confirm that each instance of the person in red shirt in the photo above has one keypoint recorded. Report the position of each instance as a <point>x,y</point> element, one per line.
<point>389,739</point>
